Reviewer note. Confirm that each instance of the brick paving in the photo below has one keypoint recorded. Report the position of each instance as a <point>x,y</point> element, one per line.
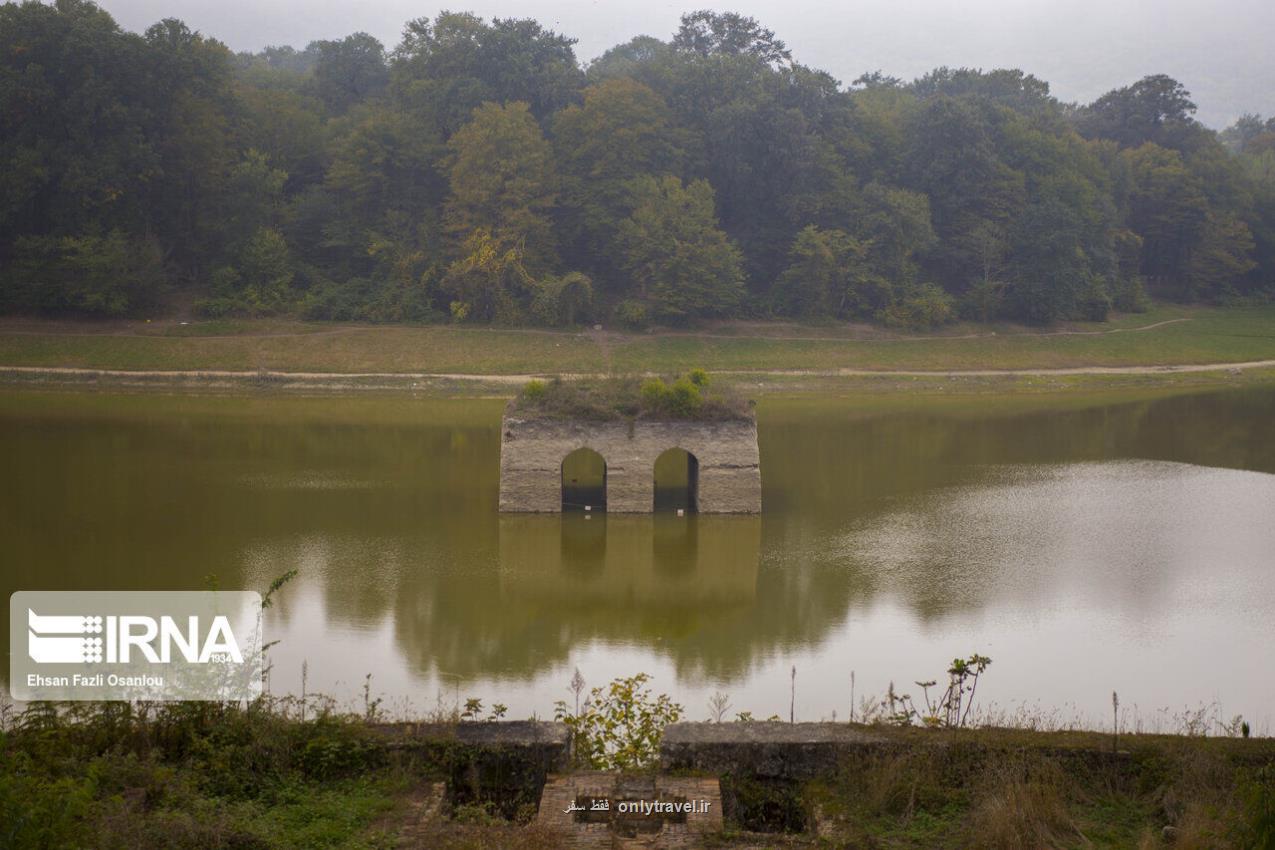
<point>615,829</point>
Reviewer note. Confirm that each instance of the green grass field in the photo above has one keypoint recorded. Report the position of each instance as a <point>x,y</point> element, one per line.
<point>1208,336</point>
<point>1201,335</point>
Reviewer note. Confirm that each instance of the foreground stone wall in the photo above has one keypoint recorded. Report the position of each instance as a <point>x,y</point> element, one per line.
<point>792,751</point>
<point>532,450</point>
<point>504,764</point>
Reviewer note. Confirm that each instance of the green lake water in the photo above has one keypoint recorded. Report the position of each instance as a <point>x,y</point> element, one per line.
<point>1087,544</point>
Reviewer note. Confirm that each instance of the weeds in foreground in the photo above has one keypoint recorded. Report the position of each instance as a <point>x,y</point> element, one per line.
<point>951,709</point>
<point>446,835</point>
<point>1003,796</point>
<point>199,775</point>
<point>1019,804</point>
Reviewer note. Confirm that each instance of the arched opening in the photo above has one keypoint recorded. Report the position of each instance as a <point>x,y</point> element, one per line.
<point>584,481</point>
<point>676,481</point>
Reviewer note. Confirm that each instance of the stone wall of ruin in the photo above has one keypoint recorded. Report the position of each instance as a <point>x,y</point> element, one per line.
<point>532,450</point>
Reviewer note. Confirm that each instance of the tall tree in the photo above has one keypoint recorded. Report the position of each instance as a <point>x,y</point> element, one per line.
<point>706,32</point>
<point>349,71</point>
<point>1155,109</point>
<point>502,179</point>
<point>456,62</point>
<point>953,158</point>
<point>1167,209</point>
<point>676,256</point>
<point>622,131</point>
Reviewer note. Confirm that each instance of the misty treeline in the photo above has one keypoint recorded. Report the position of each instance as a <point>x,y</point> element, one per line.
<point>478,172</point>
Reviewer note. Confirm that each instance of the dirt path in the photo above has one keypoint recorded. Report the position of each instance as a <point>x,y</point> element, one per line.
<point>601,338</point>
<point>37,373</point>
<point>914,337</point>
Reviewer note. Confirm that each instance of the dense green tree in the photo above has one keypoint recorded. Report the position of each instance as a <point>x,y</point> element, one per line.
<point>677,258</point>
<point>630,59</point>
<point>1221,258</point>
<point>502,179</point>
<point>78,103</point>
<point>953,158</point>
<point>453,64</point>
<point>479,172</point>
<point>817,280</point>
<point>1155,109</point>
<point>1015,89</point>
<point>1052,277</point>
<point>1167,209</point>
<point>622,131</point>
<point>707,33</point>
<point>96,275</point>
<point>1246,130</point>
<point>349,71</point>
<point>488,282</point>
<point>866,274</point>
<point>287,127</point>
<point>561,301</point>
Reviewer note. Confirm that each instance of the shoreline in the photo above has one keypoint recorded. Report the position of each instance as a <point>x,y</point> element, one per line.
<point>764,381</point>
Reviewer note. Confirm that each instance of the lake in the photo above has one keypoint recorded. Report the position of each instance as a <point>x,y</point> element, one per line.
<point>1086,543</point>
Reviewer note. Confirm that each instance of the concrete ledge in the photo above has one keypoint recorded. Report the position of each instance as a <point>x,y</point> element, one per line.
<point>528,734</point>
<point>501,763</point>
<point>765,749</point>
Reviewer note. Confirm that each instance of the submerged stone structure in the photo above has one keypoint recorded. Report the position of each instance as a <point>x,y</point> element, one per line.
<point>723,464</point>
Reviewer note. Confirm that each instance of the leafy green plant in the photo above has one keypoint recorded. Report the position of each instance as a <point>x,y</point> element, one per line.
<point>952,708</point>
<point>619,727</point>
<point>631,314</point>
<point>534,391</point>
<point>630,397</point>
<point>684,397</point>
<point>561,301</point>
<point>655,393</point>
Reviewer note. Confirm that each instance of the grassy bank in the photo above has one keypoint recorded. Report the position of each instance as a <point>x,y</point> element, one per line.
<point>208,776</point>
<point>1167,335</point>
<point>1208,335</point>
<point>1016,789</point>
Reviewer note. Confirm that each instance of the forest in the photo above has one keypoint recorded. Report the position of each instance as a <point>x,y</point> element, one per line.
<point>479,172</point>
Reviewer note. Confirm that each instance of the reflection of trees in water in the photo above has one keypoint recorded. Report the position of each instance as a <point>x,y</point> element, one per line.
<point>147,495</point>
<point>656,582</point>
<point>824,462</point>
<point>913,483</point>
<point>398,519</point>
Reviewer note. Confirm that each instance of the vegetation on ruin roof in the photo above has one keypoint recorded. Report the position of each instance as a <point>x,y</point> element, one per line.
<point>693,396</point>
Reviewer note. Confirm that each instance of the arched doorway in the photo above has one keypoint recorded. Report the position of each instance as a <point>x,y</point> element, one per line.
<point>584,481</point>
<point>676,481</point>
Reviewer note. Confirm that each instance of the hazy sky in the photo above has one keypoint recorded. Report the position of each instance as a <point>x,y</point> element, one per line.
<point>1222,50</point>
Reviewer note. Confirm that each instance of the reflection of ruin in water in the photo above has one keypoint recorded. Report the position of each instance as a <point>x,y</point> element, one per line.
<point>386,507</point>
<point>620,569</point>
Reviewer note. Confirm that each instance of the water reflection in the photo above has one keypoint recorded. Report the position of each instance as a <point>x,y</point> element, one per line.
<point>894,530</point>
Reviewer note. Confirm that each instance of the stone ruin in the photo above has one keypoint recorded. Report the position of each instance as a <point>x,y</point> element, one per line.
<point>723,465</point>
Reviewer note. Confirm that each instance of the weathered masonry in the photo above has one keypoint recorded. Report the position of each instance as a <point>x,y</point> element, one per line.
<point>722,471</point>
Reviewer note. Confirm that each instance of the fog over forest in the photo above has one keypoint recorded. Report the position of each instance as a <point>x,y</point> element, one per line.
<point>474,170</point>
<point>1221,51</point>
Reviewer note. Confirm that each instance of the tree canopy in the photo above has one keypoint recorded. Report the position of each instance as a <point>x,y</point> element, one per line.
<point>479,172</point>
